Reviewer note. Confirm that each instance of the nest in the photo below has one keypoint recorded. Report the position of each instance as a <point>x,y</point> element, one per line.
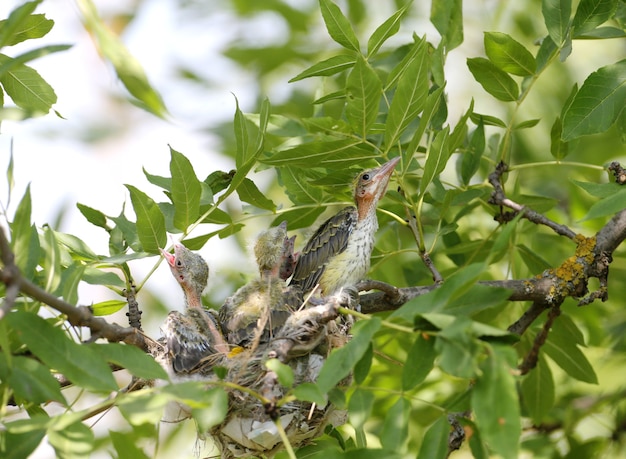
<point>249,428</point>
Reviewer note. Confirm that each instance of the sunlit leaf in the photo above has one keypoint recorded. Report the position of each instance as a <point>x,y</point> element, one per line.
<point>186,190</point>
<point>447,17</point>
<point>125,444</point>
<point>93,216</point>
<point>33,26</point>
<point>508,54</point>
<point>609,205</point>
<point>363,91</point>
<point>598,104</point>
<point>590,14</point>
<point>495,81</point>
<point>27,88</point>
<point>248,192</point>
<point>105,308</point>
<point>333,153</point>
<point>131,358</point>
<point>338,26</point>
<point>283,372</point>
<point>360,407</point>
<point>410,96</point>
<point>150,221</point>
<point>387,29</point>
<point>438,155</point>
<point>327,67</point>
<point>16,22</point>
<point>396,425</point>
<point>556,15</point>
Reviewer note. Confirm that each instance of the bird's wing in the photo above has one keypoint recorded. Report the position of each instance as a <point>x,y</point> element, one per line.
<point>330,239</point>
<point>187,341</point>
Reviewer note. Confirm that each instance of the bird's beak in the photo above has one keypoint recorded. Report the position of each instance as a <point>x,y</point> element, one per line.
<point>384,171</point>
<point>170,258</point>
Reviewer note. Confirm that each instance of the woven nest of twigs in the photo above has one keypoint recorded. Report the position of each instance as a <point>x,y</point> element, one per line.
<point>256,398</point>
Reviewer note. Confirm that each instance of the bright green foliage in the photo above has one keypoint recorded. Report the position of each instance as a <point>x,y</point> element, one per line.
<point>368,89</point>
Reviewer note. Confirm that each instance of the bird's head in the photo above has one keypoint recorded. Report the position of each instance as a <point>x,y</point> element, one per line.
<point>270,248</point>
<point>189,269</point>
<point>371,186</point>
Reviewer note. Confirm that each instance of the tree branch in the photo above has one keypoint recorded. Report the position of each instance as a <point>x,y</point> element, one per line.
<point>79,316</point>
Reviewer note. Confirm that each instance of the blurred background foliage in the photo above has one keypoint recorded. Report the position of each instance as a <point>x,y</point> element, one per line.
<point>267,44</point>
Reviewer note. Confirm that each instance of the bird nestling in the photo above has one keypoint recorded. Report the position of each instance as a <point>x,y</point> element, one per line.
<point>193,334</point>
<point>255,311</point>
<point>338,254</point>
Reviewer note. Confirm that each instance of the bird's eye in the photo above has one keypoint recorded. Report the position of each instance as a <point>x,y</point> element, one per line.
<point>179,263</point>
<point>365,176</point>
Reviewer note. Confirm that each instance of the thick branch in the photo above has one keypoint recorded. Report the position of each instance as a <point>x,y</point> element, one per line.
<point>80,316</point>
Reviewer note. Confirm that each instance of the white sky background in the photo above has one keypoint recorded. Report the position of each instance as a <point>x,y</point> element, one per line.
<point>52,155</point>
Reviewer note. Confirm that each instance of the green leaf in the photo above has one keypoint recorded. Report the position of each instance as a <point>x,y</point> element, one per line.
<point>310,392</point>
<point>599,190</point>
<point>143,407</point>
<point>341,360</point>
<point>93,216</point>
<point>73,441</point>
<point>24,238</point>
<point>186,191</point>
<point>435,442</point>
<point>419,361</point>
<point>562,347</point>
<point>95,276</point>
<point>333,153</point>
<point>33,382</point>
<point>487,120</point>
<point>493,80</point>
<point>598,104</point>
<point>447,17</point>
<point>556,14</point>
<point>438,155</point>
<point>150,221</point>
<point>607,206</point>
<point>495,402</point>
<point>538,391</point>
<point>470,161</point>
<point>431,106</point>
<point>338,26</point>
<point>248,192</point>
<point>327,67</point>
<point>78,363</point>
<point>128,69</point>
<point>299,217</point>
<point>590,14</point>
<point>458,349</point>
<point>509,55</point>
<point>105,308</point>
<point>363,91</point>
<point>535,263</point>
<point>20,445</point>
<point>131,358</point>
<point>396,425</point>
<point>363,366</point>
<point>27,88</point>
<point>33,26</point>
<point>125,444</point>
<point>360,407</point>
<point>283,372</point>
<point>387,29</point>
<point>558,148</point>
<point>410,96</point>
<point>16,22</point>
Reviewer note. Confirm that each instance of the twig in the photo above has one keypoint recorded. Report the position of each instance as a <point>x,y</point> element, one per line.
<point>498,197</point>
<point>79,316</point>
<point>530,361</point>
<point>134,313</point>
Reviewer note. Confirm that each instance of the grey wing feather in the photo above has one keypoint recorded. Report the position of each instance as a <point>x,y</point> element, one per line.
<point>330,239</point>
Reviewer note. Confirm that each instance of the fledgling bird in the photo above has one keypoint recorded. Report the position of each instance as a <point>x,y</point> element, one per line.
<point>260,307</point>
<point>338,254</point>
<point>194,334</point>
